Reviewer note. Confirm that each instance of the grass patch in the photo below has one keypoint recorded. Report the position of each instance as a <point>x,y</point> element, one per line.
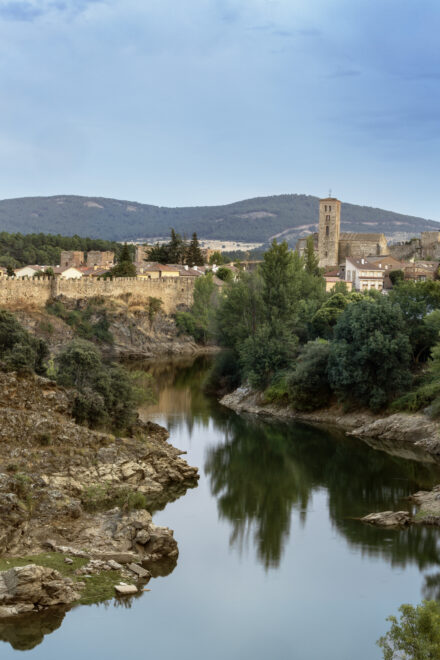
<point>100,587</point>
<point>105,496</point>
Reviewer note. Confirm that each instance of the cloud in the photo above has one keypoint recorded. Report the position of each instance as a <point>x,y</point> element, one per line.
<point>19,11</point>
<point>31,10</point>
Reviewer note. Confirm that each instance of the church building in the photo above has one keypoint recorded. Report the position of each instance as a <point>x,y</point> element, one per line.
<point>333,246</point>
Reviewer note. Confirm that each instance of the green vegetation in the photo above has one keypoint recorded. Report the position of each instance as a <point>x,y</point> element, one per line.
<point>89,323</point>
<point>199,321</point>
<point>20,250</point>
<point>19,350</point>
<point>105,496</point>
<point>416,635</point>
<point>249,220</point>
<point>98,588</point>
<point>178,251</point>
<point>125,266</point>
<point>106,395</point>
<point>301,346</point>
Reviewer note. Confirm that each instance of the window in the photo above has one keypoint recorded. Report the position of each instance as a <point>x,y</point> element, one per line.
<point>329,208</point>
<point>327,218</point>
<point>325,254</point>
<point>325,208</point>
<point>327,231</point>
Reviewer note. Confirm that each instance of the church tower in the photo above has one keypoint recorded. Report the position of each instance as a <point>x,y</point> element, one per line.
<point>328,232</point>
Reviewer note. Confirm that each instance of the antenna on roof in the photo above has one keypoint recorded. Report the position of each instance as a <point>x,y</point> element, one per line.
<point>330,192</point>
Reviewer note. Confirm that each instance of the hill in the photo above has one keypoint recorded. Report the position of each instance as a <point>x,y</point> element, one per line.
<point>258,219</point>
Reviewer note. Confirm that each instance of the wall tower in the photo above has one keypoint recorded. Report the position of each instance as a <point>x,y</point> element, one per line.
<point>328,232</point>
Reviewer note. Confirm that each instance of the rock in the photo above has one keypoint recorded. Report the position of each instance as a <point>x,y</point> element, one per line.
<point>25,588</point>
<point>142,537</point>
<point>388,519</point>
<point>125,589</point>
<point>114,565</point>
<point>139,571</point>
<point>68,560</point>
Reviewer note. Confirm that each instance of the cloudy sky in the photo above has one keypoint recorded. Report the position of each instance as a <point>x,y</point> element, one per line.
<point>182,102</point>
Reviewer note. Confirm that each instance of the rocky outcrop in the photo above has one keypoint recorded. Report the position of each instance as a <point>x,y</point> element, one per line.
<point>31,588</point>
<point>388,519</point>
<point>68,489</point>
<point>412,436</point>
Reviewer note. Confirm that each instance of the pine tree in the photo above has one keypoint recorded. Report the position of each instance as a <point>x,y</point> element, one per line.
<point>125,266</point>
<point>311,260</point>
<point>176,248</point>
<point>194,256</point>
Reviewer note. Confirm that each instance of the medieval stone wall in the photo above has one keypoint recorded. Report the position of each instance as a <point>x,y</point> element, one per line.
<point>173,291</point>
<point>359,247</point>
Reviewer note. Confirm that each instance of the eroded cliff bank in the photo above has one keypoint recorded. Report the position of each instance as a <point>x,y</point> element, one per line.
<point>121,326</point>
<point>412,436</point>
<point>80,496</point>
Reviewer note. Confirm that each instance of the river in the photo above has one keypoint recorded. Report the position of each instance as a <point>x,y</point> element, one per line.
<point>272,563</point>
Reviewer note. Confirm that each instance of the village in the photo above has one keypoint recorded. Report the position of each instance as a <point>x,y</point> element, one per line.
<point>362,261</point>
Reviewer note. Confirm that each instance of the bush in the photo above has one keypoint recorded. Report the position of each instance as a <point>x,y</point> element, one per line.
<point>308,384</point>
<point>19,350</point>
<point>106,394</point>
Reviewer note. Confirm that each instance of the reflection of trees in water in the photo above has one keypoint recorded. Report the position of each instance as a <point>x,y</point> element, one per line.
<point>264,470</point>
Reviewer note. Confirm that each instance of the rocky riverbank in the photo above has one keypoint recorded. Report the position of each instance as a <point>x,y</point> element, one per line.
<point>75,501</point>
<point>412,436</point>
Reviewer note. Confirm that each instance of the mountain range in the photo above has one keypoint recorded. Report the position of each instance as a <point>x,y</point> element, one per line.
<point>253,220</point>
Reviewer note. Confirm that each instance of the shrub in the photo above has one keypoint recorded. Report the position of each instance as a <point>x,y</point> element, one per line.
<point>19,350</point>
<point>308,383</point>
<point>224,375</point>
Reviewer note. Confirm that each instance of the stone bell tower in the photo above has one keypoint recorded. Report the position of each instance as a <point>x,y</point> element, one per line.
<point>328,232</point>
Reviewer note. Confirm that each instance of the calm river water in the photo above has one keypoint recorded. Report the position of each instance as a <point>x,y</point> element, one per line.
<point>272,563</point>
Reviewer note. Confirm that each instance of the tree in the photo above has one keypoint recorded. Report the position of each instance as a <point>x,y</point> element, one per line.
<point>225,274</point>
<point>327,316</point>
<point>10,272</point>
<point>176,249</point>
<point>216,259</point>
<point>370,354</point>
<point>194,256</point>
<point>105,393</point>
<point>19,350</point>
<point>125,266</point>
<point>396,276</point>
<point>416,636</point>
<point>311,260</point>
<point>199,321</point>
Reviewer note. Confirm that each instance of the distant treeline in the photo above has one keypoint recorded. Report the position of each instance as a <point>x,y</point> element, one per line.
<point>45,249</point>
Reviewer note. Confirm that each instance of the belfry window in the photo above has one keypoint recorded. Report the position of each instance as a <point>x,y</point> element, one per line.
<point>327,218</point>
<point>327,231</point>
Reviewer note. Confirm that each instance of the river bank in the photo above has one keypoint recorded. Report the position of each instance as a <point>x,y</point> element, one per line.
<point>412,436</point>
<point>77,500</point>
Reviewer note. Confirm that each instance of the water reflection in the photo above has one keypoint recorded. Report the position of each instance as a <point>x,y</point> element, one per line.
<point>264,470</point>
<point>27,631</point>
<point>261,471</point>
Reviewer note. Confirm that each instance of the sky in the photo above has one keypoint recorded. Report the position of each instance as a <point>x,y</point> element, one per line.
<point>194,102</point>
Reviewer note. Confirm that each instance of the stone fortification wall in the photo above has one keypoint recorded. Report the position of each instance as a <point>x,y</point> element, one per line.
<point>361,246</point>
<point>173,291</point>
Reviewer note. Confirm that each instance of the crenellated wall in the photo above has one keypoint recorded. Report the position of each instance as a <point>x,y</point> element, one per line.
<point>173,291</point>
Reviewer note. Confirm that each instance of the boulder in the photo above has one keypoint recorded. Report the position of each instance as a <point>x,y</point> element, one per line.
<point>31,587</point>
<point>125,589</point>
<point>388,519</point>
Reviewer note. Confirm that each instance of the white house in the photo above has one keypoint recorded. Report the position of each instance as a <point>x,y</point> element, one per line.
<point>28,271</point>
<point>364,275</point>
<point>67,273</point>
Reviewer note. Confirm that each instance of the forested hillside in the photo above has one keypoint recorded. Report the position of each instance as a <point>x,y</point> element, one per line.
<point>257,219</point>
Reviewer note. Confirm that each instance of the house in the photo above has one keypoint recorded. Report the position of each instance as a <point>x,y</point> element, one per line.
<point>155,271</point>
<point>29,271</point>
<point>69,273</point>
<point>420,271</point>
<point>364,275</point>
<point>331,281</point>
